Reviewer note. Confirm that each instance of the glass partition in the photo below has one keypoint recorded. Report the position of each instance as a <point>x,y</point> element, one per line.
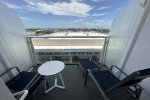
<point>68,50</point>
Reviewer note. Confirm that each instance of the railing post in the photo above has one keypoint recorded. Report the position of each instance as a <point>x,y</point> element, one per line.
<point>103,53</point>
<point>106,45</point>
<point>33,54</point>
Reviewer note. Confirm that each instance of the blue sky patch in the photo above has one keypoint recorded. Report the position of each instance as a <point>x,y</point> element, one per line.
<point>66,13</point>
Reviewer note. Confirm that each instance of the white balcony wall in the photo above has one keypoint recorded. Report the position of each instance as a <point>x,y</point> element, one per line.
<point>130,39</point>
<point>140,56</point>
<point>2,69</point>
<point>122,33</point>
<point>13,43</point>
<point>5,93</point>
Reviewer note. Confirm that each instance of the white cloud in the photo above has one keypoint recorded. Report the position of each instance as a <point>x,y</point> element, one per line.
<point>97,0</point>
<point>59,8</point>
<point>101,0</point>
<point>22,11</point>
<point>102,14</point>
<point>28,19</point>
<point>92,24</point>
<point>119,9</point>
<point>12,6</point>
<point>98,24</point>
<point>101,8</point>
<point>80,20</point>
<point>76,0</point>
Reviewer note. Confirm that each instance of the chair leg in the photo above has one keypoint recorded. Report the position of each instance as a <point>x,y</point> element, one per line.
<point>86,78</point>
<point>83,74</point>
<point>99,69</point>
<point>47,83</point>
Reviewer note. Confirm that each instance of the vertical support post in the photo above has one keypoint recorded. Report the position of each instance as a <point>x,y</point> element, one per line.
<point>33,52</point>
<point>103,52</point>
<point>50,58</point>
<point>106,45</point>
<point>45,83</point>
<point>86,78</point>
<point>55,80</point>
<point>62,80</point>
<point>90,58</point>
<point>70,61</point>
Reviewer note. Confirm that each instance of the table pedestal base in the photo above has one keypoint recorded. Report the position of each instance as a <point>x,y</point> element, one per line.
<point>55,85</point>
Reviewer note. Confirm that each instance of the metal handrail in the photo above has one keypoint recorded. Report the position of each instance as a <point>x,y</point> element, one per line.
<point>125,75</point>
<point>9,70</point>
<point>67,36</point>
<point>118,69</point>
<point>29,40</point>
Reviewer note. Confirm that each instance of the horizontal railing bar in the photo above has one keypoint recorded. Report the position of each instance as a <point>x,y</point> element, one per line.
<point>67,36</point>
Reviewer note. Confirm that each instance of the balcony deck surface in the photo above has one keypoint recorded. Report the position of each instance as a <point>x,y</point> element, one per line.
<point>75,89</point>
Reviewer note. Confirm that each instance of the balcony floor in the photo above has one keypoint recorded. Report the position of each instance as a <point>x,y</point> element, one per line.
<point>75,89</point>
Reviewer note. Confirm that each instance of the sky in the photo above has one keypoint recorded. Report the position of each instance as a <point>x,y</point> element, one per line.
<point>97,14</point>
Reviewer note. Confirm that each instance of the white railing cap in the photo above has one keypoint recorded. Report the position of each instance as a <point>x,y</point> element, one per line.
<point>67,36</point>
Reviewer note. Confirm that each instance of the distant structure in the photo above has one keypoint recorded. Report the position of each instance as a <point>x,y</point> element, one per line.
<point>68,49</point>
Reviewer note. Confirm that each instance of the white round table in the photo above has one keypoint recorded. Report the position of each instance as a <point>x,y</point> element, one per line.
<point>52,68</point>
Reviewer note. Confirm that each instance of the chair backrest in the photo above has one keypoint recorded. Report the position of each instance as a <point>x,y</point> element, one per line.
<point>133,79</point>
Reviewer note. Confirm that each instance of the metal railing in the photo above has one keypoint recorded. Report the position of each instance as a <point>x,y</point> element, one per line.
<point>70,52</point>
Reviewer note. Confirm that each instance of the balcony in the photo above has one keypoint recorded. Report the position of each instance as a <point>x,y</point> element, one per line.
<point>69,49</point>
<point>126,46</point>
<point>75,89</point>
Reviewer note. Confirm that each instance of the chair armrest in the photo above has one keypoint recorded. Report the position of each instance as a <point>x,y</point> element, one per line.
<point>99,87</point>
<point>124,74</point>
<point>24,92</point>
<point>33,81</point>
<point>118,69</point>
<point>9,70</point>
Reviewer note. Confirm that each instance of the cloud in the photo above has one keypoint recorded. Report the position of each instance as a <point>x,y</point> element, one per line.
<point>119,9</point>
<point>97,0</point>
<point>21,11</point>
<point>72,8</point>
<point>102,14</point>
<point>102,24</point>
<point>12,6</point>
<point>80,20</point>
<point>76,0</point>
<point>98,24</point>
<point>101,0</point>
<point>101,8</point>
<point>28,19</point>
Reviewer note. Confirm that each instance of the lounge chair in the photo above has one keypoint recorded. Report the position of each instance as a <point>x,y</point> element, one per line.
<point>24,81</point>
<point>109,84</point>
<point>88,65</point>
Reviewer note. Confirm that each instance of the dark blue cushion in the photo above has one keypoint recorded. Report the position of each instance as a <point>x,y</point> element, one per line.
<point>105,79</point>
<point>19,82</point>
<point>88,65</point>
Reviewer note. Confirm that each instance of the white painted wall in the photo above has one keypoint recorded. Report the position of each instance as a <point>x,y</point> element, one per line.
<point>5,94</point>
<point>122,32</point>
<point>13,42</point>
<point>140,56</point>
<point>2,69</point>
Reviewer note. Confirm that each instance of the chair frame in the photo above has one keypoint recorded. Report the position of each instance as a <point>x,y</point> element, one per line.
<point>29,85</point>
<point>9,70</point>
<point>84,71</point>
<point>136,93</point>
